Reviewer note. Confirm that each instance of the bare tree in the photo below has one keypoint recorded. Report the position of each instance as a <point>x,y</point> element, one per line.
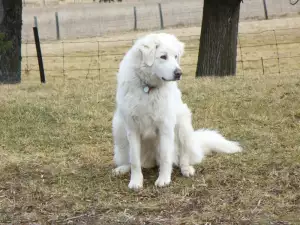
<point>218,39</point>
<point>10,40</point>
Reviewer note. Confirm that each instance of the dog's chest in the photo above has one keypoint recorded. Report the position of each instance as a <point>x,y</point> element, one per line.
<point>150,111</point>
<point>153,105</point>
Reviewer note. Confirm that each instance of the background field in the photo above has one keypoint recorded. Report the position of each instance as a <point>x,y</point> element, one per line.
<point>93,19</point>
<point>56,144</point>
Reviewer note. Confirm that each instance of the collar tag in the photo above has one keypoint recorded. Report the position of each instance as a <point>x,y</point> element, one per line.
<point>146,89</point>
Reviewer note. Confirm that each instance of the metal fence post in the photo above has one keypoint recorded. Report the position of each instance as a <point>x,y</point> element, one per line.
<point>57,26</point>
<point>161,16</point>
<point>265,9</point>
<point>39,54</point>
<point>135,18</point>
<point>35,21</point>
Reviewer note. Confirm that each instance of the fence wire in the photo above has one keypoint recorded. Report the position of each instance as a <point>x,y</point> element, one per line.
<point>266,52</point>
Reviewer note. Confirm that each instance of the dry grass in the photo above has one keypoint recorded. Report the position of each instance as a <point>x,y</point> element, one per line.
<point>56,153</point>
<point>56,156</point>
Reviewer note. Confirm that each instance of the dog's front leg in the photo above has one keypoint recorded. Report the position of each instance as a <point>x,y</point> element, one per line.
<point>136,177</point>
<point>166,151</point>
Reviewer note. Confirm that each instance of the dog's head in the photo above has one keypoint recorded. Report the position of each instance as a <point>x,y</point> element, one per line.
<point>160,55</point>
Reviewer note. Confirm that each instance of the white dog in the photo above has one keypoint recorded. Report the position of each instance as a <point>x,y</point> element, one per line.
<point>151,124</point>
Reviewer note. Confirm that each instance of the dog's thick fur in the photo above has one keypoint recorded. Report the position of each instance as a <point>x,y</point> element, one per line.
<point>155,128</point>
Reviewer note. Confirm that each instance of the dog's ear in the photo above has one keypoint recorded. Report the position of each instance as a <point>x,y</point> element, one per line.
<point>148,52</point>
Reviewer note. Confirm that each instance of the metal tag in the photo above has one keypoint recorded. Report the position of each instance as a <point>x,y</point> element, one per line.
<point>146,89</point>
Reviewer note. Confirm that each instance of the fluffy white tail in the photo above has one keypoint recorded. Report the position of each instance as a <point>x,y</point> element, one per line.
<point>206,141</point>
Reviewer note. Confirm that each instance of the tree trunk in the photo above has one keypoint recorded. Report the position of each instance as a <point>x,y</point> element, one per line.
<point>218,39</point>
<point>10,40</point>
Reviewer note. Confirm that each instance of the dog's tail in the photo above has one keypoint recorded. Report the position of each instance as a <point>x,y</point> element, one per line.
<point>206,141</point>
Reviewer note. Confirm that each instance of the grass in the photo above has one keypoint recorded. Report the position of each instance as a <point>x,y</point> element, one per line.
<point>56,151</point>
<point>56,156</point>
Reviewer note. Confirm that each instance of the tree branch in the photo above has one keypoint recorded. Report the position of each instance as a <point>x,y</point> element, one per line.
<point>294,3</point>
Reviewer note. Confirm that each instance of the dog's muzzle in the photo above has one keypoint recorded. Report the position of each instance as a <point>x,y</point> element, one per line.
<point>177,74</point>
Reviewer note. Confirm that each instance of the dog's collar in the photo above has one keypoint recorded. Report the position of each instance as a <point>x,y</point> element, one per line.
<point>147,88</point>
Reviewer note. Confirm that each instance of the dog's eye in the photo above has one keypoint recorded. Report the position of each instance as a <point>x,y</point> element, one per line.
<point>164,57</point>
<point>175,56</point>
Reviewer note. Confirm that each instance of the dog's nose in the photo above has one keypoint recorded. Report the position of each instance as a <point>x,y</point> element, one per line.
<point>177,74</point>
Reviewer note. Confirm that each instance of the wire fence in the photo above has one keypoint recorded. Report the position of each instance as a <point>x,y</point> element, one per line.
<point>266,52</point>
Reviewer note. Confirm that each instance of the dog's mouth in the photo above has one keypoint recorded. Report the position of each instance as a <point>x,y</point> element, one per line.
<point>174,79</point>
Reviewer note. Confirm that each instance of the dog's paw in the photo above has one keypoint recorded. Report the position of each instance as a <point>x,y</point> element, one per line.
<point>162,181</point>
<point>135,185</point>
<point>188,171</point>
<point>136,182</point>
<point>121,170</point>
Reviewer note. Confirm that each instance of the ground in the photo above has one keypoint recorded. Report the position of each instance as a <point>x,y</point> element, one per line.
<point>56,149</point>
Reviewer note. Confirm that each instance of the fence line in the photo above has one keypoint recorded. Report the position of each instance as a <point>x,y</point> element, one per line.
<point>180,37</point>
<point>74,23</point>
<point>280,56</point>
